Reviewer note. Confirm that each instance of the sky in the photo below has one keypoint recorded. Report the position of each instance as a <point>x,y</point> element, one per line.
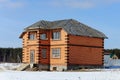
<point>15,15</point>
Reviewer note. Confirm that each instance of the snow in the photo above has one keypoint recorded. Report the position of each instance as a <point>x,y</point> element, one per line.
<point>23,75</point>
<point>9,66</point>
<point>7,73</point>
<point>111,62</point>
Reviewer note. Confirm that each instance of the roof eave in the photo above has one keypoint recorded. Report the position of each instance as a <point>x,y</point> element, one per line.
<point>22,34</point>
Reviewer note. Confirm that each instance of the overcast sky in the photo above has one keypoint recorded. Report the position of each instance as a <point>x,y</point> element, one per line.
<point>15,15</point>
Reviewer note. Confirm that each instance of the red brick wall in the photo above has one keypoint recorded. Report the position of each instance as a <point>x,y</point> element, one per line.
<point>85,50</point>
<point>47,59</point>
<point>89,41</point>
<point>44,44</point>
<point>85,55</point>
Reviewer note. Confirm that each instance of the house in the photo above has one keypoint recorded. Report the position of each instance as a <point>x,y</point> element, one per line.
<point>113,56</point>
<point>111,61</point>
<point>62,45</point>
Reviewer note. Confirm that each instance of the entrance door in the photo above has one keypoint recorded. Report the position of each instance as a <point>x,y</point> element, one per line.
<point>32,55</point>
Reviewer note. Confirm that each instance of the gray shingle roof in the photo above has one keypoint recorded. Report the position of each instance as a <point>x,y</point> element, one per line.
<point>71,26</point>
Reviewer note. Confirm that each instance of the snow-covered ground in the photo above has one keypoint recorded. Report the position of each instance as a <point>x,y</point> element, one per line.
<point>6,73</point>
<point>9,66</point>
<point>22,75</point>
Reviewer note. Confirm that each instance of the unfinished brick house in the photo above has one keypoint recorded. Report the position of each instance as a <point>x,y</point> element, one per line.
<point>62,45</point>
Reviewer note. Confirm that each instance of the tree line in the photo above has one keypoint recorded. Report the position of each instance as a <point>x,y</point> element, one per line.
<point>13,55</point>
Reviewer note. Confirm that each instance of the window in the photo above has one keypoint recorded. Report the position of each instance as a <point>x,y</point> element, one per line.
<point>43,36</point>
<point>32,52</point>
<point>44,53</point>
<point>54,68</point>
<point>56,53</point>
<point>32,36</point>
<point>56,36</point>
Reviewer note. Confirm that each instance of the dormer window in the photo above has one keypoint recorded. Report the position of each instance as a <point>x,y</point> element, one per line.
<point>43,36</point>
<point>56,36</point>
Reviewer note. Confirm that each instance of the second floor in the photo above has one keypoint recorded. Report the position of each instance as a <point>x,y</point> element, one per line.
<point>58,37</point>
<point>44,36</point>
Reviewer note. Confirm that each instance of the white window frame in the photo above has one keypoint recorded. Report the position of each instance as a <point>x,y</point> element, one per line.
<point>56,52</point>
<point>56,35</point>
<point>43,36</point>
<point>32,37</point>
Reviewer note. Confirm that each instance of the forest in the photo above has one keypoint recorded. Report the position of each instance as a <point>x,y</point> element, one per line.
<point>13,55</point>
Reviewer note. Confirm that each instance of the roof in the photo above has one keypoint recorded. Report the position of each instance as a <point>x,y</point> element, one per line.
<point>71,26</point>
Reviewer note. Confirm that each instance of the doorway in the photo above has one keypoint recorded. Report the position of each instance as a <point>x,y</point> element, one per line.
<point>32,55</point>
